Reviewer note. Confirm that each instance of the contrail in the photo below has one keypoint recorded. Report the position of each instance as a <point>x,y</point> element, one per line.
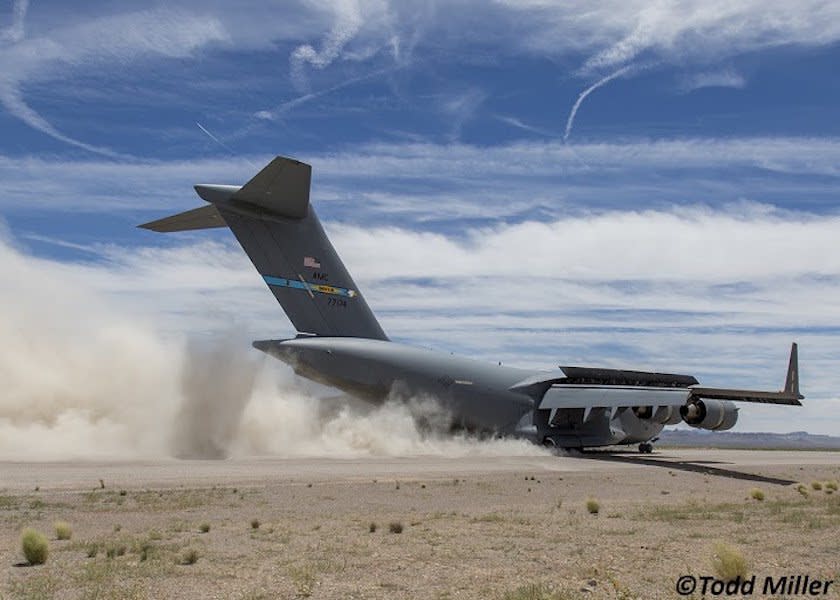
<point>586,92</point>
<point>295,102</point>
<point>220,142</point>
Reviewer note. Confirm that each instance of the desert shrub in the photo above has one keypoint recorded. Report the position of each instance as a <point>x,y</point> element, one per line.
<point>188,557</point>
<point>372,528</point>
<point>115,550</point>
<point>802,489</point>
<point>593,506</point>
<point>63,531</point>
<point>757,494</point>
<point>816,486</point>
<point>255,523</point>
<point>146,549</point>
<point>305,580</point>
<point>831,485</point>
<point>204,527</point>
<point>728,562</point>
<point>92,550</point>
<point>35,547</point>
<point>395,527</point>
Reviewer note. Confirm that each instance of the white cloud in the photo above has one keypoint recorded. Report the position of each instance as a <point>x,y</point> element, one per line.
<point>16,31</point>
<point>727,78</point>
<point>452,181</point>
<point>611,34</point>
<point>714,293</point>
<point>348,20</point>
<point>616,32</point>
<point>124,38</point>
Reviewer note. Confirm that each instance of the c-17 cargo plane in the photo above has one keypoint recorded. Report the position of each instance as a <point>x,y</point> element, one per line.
<point>341,344</point>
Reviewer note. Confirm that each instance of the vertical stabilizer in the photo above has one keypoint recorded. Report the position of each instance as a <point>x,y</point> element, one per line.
<point>280,232</point>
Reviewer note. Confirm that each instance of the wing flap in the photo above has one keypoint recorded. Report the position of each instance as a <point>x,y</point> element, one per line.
<point>611,396</point>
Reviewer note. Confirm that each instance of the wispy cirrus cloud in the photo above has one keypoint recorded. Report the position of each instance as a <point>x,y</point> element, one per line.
<point>348,21</point>
<point>725,78</point>
<point>108,40</point>
<point>456,180</point>
<point>15,31</point>
<point>614,33</point>
<point>372,35</point>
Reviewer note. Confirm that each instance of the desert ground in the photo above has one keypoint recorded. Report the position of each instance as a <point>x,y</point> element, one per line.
<point>511,527</point>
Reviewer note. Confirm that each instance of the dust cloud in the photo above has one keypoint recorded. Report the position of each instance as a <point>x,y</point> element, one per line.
<point>85,378</point>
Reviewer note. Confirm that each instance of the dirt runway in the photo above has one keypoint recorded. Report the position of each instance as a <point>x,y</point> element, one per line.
<point>473,527</point>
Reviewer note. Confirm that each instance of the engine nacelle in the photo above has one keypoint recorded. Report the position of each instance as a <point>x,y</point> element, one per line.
<point>665,415</point>
<point>716,415</point>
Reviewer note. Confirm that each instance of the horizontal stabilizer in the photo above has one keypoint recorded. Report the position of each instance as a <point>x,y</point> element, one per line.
<point>205,217</point>
<point>282,187</point>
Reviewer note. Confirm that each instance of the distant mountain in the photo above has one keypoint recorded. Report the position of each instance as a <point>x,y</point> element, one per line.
<point>797,440</point>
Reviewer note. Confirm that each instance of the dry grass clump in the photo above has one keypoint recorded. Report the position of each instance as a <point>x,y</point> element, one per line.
<point>188,557</point>
<point>831,485</point>
<point>35,547</point>
<point>757,494</point>
<point>115,550</point>
<point>63,531</point>
<point>728,562</point>
<point>305,580</point>
<point>802,489</point>
<point>816,486</point>
<point>395,527</point>
<point>593,506</point>
<point>533,591</point>
<point>204,527</point>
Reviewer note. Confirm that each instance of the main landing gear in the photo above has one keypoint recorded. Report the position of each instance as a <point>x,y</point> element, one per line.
<point>645,447</point>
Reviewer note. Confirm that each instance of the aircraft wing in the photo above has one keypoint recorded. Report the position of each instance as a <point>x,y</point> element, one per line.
<point>587,388</point>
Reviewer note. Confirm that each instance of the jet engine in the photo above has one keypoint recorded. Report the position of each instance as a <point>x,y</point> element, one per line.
<point>665,415</point>
<point>717,415</point>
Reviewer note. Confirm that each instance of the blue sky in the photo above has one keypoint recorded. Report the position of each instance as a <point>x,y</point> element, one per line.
<point>628,184</point>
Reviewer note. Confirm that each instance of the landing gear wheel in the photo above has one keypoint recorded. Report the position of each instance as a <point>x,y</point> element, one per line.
<point>645,448</point>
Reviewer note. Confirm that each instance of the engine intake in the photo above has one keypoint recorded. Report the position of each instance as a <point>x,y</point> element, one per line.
<point>715,415</point>
<point>665,415</point>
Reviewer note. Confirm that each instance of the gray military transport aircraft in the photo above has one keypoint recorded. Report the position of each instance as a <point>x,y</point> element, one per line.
<point>341,344</point>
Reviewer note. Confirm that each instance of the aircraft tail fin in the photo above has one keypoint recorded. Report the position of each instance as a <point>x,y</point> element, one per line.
<point>792,379</point>
<point>280,232</point>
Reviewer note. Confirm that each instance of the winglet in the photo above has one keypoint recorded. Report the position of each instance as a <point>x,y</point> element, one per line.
<point>792,380</point>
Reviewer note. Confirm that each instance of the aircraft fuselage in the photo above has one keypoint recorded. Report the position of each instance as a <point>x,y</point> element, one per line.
<point>474,394</point>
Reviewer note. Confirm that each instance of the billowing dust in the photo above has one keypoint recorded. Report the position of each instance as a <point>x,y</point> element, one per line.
<point>83,378</point>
